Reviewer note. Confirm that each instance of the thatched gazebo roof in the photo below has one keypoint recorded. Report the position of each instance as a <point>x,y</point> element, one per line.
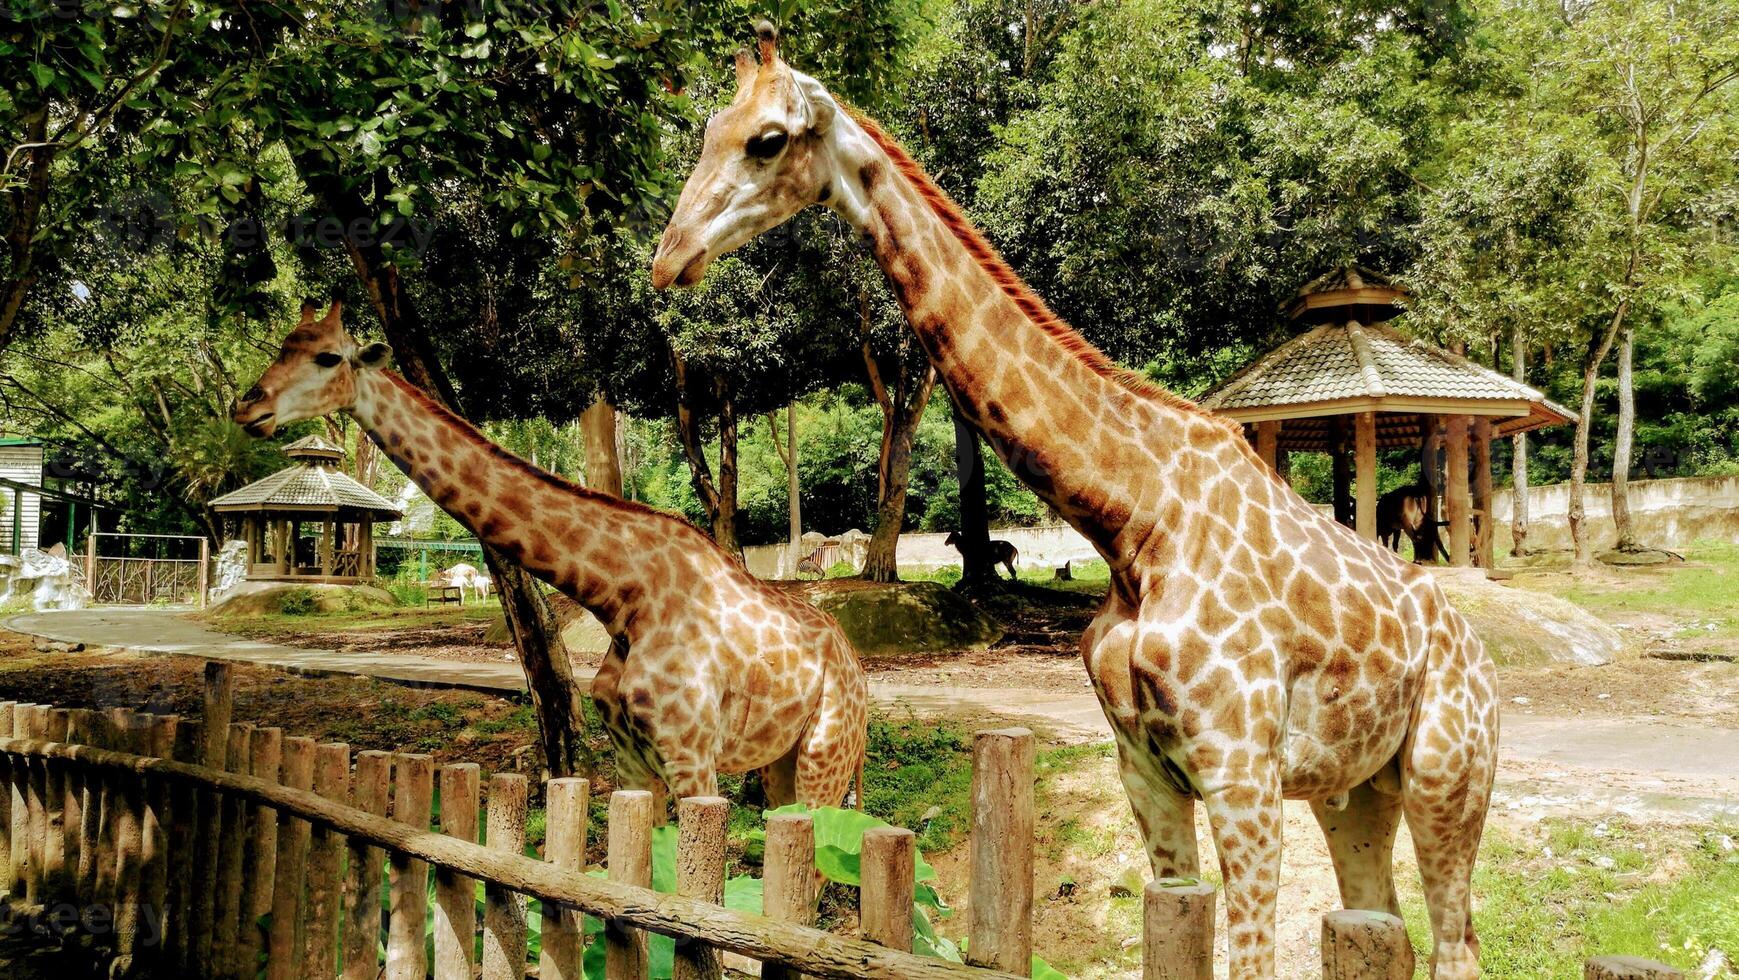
<point>314,484</point>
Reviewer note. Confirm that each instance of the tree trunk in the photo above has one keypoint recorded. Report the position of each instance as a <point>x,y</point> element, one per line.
<point>792,487</point>
<point>717,498</point>
<point>555,696</point>
<point>598,430</point>
<point>1519,453</point>
<point>1578,513</point>
<point>974,508</point>
<point>1622,444</point>
<point>725,518</point>
<point>900,420</point>
<point>25,197</point>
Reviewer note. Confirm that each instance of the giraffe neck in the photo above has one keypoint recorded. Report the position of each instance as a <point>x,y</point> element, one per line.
<point>586,544</point>
<point>1054,409</point>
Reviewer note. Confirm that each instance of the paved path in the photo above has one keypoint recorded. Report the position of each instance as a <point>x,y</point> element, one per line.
<point>168,631</point>
<point>1648,760</point>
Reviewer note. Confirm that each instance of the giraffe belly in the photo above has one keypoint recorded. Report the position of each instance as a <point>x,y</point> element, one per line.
<point>768,703</point>
<point>1334,740</point>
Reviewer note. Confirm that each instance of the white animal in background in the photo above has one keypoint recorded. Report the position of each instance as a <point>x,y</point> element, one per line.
<point>466,578</point>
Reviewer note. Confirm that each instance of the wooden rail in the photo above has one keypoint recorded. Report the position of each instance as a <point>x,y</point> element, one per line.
<point>218,849</point>
<point>168,840</point>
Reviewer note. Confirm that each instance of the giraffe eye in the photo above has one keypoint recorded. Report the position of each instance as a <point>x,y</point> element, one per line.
<point>767,145</point>
<point>327,359</point>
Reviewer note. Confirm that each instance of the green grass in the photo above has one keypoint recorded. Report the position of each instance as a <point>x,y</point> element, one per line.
<point>1577,890</point>
<point>1701,590</point>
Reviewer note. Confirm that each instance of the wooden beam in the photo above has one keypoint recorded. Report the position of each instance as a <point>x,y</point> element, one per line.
<point>1455,491</point>
<point>1268,443</point>
<point>1483,551</point>
<point>1343,473</point>
<point>1365,458</point>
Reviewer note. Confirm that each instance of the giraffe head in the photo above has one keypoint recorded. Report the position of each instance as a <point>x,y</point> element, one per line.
<point>775,150</point>
<point>313,375</point>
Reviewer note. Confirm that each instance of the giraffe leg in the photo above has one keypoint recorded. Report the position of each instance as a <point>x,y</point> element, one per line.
<point>779,780</point>
<point>1165,815</point>
<point>1446,790</point>
<point>1361,840</point>
<point>1244,813</point>
<point>831,748</point>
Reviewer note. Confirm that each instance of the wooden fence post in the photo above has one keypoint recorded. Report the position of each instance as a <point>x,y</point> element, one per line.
<point>566,810</point>
<point>132,735</point>
<point>183,842</point>
<point>414,786</point>
<point>504,927</point>
<point>232,893</point>
<point>455,894</point>
<point>788,878</point>
<point>55,881</point>
<point>368,793</point>
<point>1628,968</point>
<point>889,856</point>
<point>700,874</point>
<point>29,887</point>
<point>1177,935</point>
<point>325,850</point>
<point>7,786</point>
<point>216,710</point>
<point>284,947</point>
<point>260,855</point>
<point>1001,902</point>
<point>159,816</point>
<point>1364,945</point>
<point>77,723</point>
<point>630,858</point>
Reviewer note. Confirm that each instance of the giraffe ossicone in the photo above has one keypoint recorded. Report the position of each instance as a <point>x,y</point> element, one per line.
<point>1249,649</point>
<point>710,669</point>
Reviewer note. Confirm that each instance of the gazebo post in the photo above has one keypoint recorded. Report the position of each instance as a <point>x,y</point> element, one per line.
<point>1456,492</point>
<point>1343,476</point>
<point>1365,449</point>
<point>1430,441</point>
<point>327,530</point>
<point>1484,543</point>
<point>1268,443</point>
<point>286,561</point>
<point>365,548</point>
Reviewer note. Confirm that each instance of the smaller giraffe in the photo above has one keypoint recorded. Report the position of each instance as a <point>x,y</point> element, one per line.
<point>710,669</point>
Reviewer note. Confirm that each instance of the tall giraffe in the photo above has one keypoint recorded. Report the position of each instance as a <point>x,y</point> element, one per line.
<point>710,669</point>
<point>1249,649</point>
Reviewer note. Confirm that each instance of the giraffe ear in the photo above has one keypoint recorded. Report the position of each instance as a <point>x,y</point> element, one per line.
<point>818,105</point>
<point>375,355</point>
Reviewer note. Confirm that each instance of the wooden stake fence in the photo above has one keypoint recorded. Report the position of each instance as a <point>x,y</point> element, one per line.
<point>109,812</point>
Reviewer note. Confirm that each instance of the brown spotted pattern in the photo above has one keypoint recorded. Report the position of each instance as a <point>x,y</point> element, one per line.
<point>1250,650</point>
<point>710,669</point>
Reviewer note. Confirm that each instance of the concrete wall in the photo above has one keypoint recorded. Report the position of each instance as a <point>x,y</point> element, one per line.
<point>1668,513</point>
<point>24,464</point>
<point>1040,547</point>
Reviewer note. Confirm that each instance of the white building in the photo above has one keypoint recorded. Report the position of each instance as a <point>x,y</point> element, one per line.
<point>20,511</point>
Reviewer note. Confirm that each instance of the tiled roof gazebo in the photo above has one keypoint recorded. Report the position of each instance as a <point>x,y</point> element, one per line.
<point>313,490</point>
<point>1352,385</point>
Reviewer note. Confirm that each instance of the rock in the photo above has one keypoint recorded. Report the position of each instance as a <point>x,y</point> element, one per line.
<point>45,645</point>
<point>903,617</point>
<point>1644,557</point>
<point>581,631</point>
<point>45,579</point>
<point>292,598</point>
<point>1524,628</point>
<point>232,568</point>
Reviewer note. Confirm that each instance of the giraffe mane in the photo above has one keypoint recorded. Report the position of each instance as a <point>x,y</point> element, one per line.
<point>1010,282</point>
<point>471,434</point>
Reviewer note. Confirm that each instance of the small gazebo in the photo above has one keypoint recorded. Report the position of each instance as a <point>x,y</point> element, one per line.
<point>1351,385</point>
<point>312,492</point>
